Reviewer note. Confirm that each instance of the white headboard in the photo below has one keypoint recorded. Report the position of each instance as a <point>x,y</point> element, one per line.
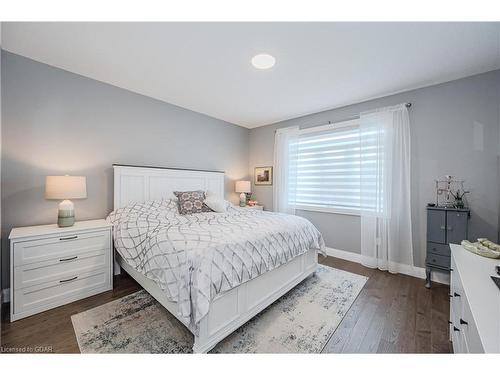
<point>141,184</point>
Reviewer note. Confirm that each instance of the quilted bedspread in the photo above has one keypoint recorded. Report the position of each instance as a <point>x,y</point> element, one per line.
<point>195,257</point>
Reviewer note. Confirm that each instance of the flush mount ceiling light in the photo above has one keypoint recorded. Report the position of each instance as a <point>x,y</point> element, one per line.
<point>263,61</point>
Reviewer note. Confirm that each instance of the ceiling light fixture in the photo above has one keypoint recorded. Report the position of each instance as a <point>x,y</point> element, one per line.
<point>263,61</point>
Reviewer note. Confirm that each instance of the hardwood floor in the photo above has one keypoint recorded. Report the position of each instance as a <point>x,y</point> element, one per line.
<point>392,314</point>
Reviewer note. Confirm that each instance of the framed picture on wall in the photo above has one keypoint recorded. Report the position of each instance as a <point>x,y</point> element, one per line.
<point>263,176</point>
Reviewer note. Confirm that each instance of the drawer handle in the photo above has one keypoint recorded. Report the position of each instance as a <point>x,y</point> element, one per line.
<point>450,295</point>
<point>442,228</point>
<point>450,227</point>
<point>66,259</point>
<point>456,294</point>
<point>68,238</point>
<point>65,281</point>
<point>455,328</point>
<point>463,322</point>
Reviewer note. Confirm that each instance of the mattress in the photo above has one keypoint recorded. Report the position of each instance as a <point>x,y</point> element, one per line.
<point>193,258</point>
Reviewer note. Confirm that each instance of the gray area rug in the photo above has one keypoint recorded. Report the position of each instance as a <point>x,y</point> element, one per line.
<point>301,321</point>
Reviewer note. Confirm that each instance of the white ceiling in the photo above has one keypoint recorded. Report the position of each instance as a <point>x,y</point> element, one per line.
<point>206,67</point>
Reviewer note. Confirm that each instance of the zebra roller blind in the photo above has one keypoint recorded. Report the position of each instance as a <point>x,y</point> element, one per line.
<point>328,169</point>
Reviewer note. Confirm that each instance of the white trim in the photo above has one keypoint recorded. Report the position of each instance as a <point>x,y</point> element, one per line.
<point>418,272</point>
<point>329,210</point>
<point>5,295</point>
<point>343,254</point>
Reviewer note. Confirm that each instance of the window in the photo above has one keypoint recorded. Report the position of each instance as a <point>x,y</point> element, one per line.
<point>328,168</point>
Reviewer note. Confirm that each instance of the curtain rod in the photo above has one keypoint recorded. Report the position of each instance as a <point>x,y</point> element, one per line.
<point>407,105</point>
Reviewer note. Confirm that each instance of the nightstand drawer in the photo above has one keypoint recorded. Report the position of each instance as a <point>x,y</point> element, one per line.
<point>438,261</point>
<point>48,295</point>
<point>57,269</point>
<point>61,246</point>
<point>51,266</point>
<point>438,248</point>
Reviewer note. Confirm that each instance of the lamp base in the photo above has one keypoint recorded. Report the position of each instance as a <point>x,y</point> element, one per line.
<point>243,200</point>
<point>66,214</point>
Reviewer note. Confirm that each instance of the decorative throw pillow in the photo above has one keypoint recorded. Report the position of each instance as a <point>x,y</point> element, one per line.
<point>191,202</point>
<point>216,204</point>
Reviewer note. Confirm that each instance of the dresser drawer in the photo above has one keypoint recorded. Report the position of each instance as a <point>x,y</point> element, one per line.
<point>456,311</point>
<point>470,279</point>
<point>453,265</point>
<point>469,330</point>
<point>457,295</point>
<point>438,248</point>
<point>55,293</point>
<point>60,268</point>
<point>438,260</point>
<point>458,342</point>
<point>455,281</point>
<point>57,247</point>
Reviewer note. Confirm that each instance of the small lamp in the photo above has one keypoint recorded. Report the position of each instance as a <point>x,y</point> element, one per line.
<point>66,188</point>
<point>243,187</point>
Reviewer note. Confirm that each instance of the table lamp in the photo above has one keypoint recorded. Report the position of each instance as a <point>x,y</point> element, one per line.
<point>65,188</point>
<point>243,187</point>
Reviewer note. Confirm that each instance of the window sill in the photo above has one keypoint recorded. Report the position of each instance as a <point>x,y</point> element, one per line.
<point>329,210</point>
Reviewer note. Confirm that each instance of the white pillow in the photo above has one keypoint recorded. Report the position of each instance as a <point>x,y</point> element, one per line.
<point>216,204</point>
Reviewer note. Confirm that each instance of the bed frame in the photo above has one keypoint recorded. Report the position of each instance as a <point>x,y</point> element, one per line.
<point>231,309</point>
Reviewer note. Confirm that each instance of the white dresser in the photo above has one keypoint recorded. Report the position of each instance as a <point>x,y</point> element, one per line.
<point>52,266</point>
<point>474,303</point>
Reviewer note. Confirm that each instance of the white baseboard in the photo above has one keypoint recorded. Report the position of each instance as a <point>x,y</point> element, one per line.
<point>6,295</point>
<point>419,272</point>
<point>343,254</point>
<point>436,276</point>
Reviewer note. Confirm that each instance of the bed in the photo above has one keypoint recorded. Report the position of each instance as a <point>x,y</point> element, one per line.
<point>212,271</point>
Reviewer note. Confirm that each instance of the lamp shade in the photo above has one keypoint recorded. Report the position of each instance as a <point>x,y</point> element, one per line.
<point>243,187</point>
<point>65,187</point>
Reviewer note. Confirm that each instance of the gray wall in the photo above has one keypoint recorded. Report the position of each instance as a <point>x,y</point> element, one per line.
<point>56,122</point>
<point>442,122</point>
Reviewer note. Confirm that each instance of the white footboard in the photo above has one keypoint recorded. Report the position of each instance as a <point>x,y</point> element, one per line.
<point>235,307</point>
<point>232,309</point>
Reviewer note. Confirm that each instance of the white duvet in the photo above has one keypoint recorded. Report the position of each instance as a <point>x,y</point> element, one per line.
<point>195,257</point>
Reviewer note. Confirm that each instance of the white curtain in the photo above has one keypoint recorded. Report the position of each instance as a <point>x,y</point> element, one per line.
<point>285,169</point>
<point>386,235</point>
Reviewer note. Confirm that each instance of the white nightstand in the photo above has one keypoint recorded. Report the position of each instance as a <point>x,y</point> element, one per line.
<point>52,266</point>
<point>256,207</point>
